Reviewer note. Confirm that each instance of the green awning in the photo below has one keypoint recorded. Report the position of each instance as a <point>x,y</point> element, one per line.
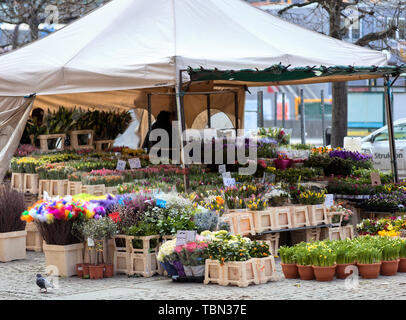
<point>280,73</point>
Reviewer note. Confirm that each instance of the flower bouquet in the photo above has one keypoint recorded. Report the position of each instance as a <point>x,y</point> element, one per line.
<point>167,255</point>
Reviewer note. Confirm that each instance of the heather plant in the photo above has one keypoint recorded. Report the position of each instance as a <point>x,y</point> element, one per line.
<point>11,207</point>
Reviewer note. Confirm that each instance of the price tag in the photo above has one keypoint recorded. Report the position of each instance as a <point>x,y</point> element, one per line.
<point>375,179</point>
<point>121,165</point>
<point>329,201</point>
<point>226,175</point>
<point>135,163</point>
<point>222,168</point>
<point>185,236</point>
<point>161,203</point>
<point>229,182</point>
<point>90,242</point>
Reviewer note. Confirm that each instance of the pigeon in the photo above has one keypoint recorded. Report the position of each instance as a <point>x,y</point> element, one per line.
<point>43,283</point>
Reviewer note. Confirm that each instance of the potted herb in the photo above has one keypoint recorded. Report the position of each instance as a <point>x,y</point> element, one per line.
<point>288,263</point>
<point>323,262</point>
<point>369,261</point>
<point>390,257</point>
<point>12,228</point>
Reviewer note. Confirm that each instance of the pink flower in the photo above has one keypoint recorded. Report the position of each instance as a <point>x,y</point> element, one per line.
<point>178,249</point>
<point>191,246</point>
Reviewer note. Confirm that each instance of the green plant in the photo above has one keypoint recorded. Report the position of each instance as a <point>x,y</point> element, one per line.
<point>323,257</point>
<point>287,254</point>
<point>367,254</point>
<point>391,250</point>
<point>302,256</point>
<point>402,251</point>
<point>259,249</point>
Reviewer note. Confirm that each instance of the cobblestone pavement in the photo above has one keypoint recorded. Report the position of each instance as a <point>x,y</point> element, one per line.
<point>17,281</point>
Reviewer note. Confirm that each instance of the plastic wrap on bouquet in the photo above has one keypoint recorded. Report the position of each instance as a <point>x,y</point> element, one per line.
<point>198,271</point>
<point>188,271</point>
<point>170,269</point>
<point>179,268</point>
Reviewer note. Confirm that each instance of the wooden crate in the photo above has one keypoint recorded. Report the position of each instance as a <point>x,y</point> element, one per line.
<point>240,273</point>
<point>74,187</point>
<point>318,214</point>
<point>243,223</point>
<point>347,232</point>
<point>44,186</point>
<point>227,218</point>
<point>300,216</point>
<point>111,190</point>
<point>96,190</point>
<point>107,144</point>
<point>121,257</point>
<point>214,272</point>
<point>143,264</point>
<point>335,233</point>
<point>44,141</point>
<point>146,244</point>
<point>266,270</point>
<point>262,220</point>
<point>34,239</point>
<point>30,199</point>
<point>59,188</point>
<point>273,241</point>
<point>74,139</point>
<point>17,181</point>
<point>281,218</point>
<point>31,183</point>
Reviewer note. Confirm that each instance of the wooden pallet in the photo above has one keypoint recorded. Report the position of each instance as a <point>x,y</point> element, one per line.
<point>59,188</point>
<point>273,241</point>
<point>300,216</point>
<point>146,244</point>
<point>143,264</point>
<point>318,215</point>
<point>31,183</point>
<point>243,223</point>
<point>17,181</point>
<point>44,186</point>
<point>96,190</point>
<point>121,257</point>
<point>262,220</point>
<point>281,218</point>
<point>111,190</point>
<point>74,139</point>
<point>34,239</point>
<point>44,141</point>
<point>107,143</point>
<point>266,270</point>
<point>227,218</point>
<point>347,232</point>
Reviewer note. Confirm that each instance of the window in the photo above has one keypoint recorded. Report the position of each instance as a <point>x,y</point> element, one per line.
<point>401,24</point>
<point>399,131</point>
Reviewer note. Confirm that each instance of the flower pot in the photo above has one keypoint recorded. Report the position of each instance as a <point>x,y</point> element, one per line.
<point>169,268</point>
<point>402,265</point>
<point>198,271</point>
<point>324,273</point>
<point>108,271</point>
<point>85,271</point>
<point>96,271</point>
<point>305,272</point>
<point>340,270</point>
<point>79,270</point>
<point>12,245</point>
<point>282,164</point>
<point>290,271</point>
<point>188,272</point>
<point>369,271</point>
<point>65,258</point>
<point>389,268</point>
<point>179,268</point>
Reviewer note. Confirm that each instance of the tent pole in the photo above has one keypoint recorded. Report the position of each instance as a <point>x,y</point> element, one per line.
<point>182,128</point>
<point>389,121</point>
<point>236,112</point>
<point>275,110</point>
<point>149,116</point>
<point>283,110</point>
<point>208,112</point>
<point>260,109</point>
<point>322,117</point>
<point>302,118</point>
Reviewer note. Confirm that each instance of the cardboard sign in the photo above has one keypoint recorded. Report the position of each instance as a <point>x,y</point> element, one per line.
<point>90,242</point>
<point>375,179</point>
<point>329,201</point>
<point>222,168</point>
<point>135,163</point>
<point>229,182</point>
<point>121,165</point>
<point>185,236</point>
<point>226,175</point>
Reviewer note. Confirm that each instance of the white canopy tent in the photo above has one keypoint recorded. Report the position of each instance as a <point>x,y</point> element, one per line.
<point>143,44</point>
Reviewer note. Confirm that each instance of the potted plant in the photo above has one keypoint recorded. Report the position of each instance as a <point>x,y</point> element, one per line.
<point>197,253</point>
<point>323,262</point>
<point>303,262</point>
<point>282,162</point>
<point>12,228</point>
<point>345,257</point>
<point>369,261</point>
<point>390,258</point>
<point>166,257</point>
<point>402,256</point>
<point>288,263</point>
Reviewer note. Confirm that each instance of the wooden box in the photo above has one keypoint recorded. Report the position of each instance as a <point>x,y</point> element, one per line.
<point>44,186</point>
<point>318,215</point>
<point>44,141</point>
<point>146,244</point>
<point>143,264</point>
<point>59,188</point>
<point>34,239</point>
<point>281,218</point>
<point>262,220</point>
<point>347,232</point>
<point>74,139</point>
<point>300,216</point>
<point>31,183</point>
<point>111,190</point>
<point>96,190</point>
<point>74,187</point>
<point>273,241</point>
<point>17,181</point>
<point>121,257</point>
<point>266,270</point>
<point>214,272</point>
<point>102,145</point>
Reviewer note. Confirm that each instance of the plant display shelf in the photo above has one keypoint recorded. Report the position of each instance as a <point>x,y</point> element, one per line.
<point>44,141</point>
<point>299,228</point>
<point>74,139</point>
<point>99,144</point>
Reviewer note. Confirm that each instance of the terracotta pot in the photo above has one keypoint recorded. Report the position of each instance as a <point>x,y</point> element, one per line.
<point>85,271</point>
<point>369,271</point>
<point>108,270</point>
<point>305,272</point>
<point>79,270</point>
<point>282,164</point>
<point>389,268</point>
<point>96,271</point>
<point>324,273</point>
<point>402,265</point>
<point>340,270</point>
<point>290,271</point>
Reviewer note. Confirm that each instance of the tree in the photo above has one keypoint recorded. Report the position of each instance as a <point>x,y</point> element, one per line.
<point>342,15</point>
<point>35,12</point>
